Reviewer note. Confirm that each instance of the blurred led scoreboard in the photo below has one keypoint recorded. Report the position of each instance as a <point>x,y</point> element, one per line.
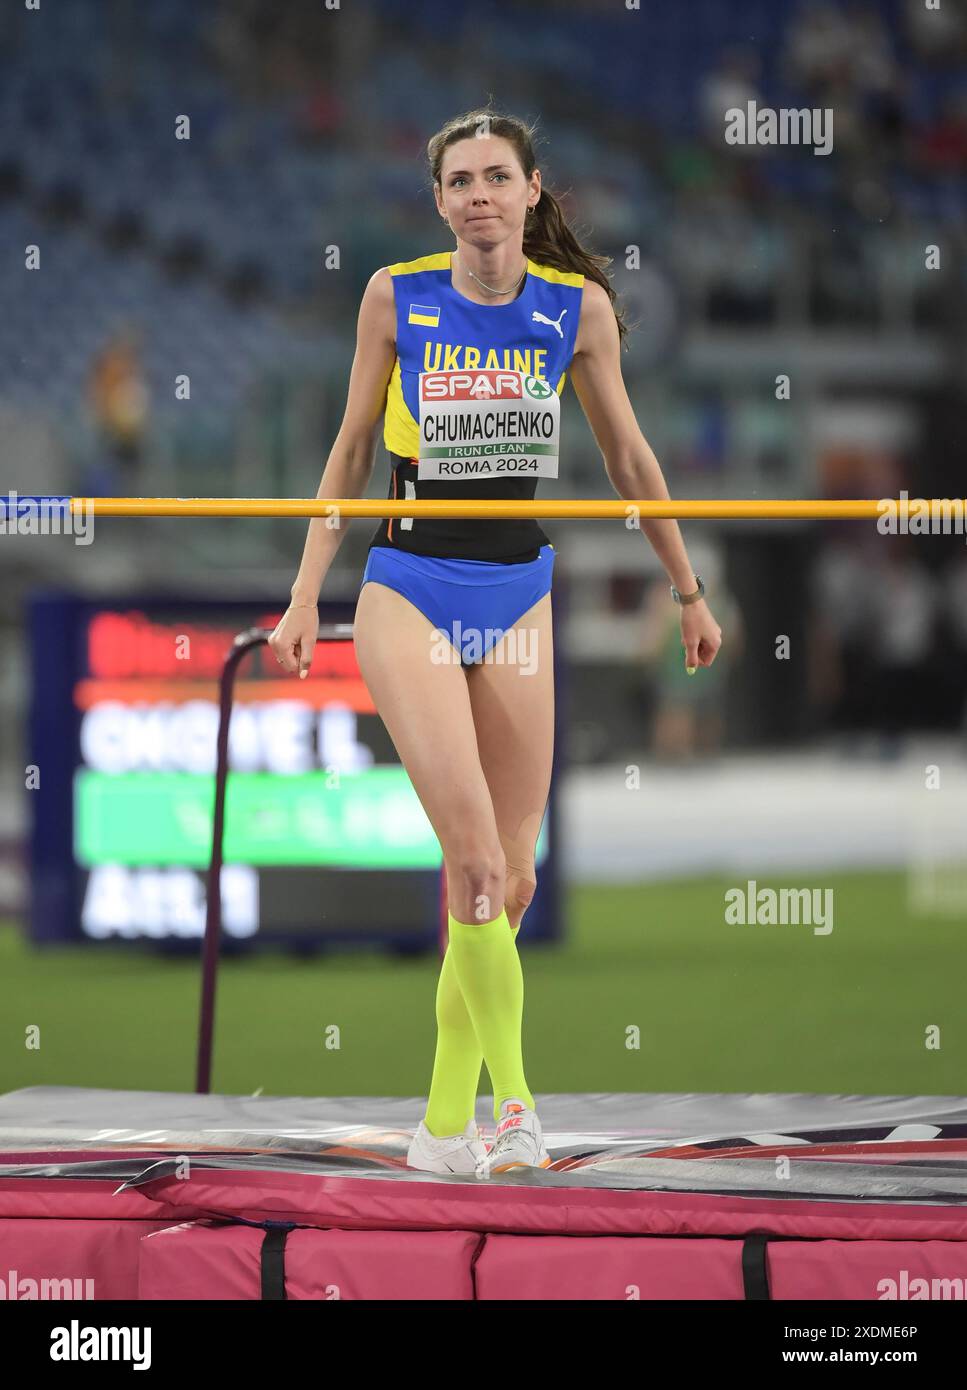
<point>325,838</point>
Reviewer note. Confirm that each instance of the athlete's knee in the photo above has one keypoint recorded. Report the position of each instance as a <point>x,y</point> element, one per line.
<point>521,879</point>
<point>520,895</point>
<point>476,875</point>
<point>523,891</point>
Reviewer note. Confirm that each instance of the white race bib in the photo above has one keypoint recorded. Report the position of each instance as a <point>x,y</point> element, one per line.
<point>487,424</point>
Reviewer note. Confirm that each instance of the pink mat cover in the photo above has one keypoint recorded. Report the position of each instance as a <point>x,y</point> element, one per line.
<point>606,1267</point>
<point>99,1259</point>
<point>202,1260</point>
<point>456,1240</point>
<point>366,1203</point>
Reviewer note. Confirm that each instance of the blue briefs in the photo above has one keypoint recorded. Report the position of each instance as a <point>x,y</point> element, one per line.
<point>473,602</point>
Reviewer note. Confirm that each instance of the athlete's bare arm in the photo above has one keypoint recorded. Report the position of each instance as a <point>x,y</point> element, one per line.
<point>631,466</point>
<point>371,370</point>
<point>350,464</point>
<point>596,373</point>
<point>348,469</point>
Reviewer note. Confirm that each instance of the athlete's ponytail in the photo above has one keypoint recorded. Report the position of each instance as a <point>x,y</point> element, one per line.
<point>548,239</point>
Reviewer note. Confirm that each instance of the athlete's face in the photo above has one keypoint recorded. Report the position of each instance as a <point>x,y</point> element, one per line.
<point>483,192</point>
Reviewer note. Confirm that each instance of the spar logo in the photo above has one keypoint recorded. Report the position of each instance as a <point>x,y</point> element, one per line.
<point>537,390</point>
<point>472,386</point>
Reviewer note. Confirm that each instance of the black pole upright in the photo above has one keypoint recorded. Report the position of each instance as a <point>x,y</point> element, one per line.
<point>243,644</point>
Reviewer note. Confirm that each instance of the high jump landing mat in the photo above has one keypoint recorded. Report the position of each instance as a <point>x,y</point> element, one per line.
<point>158,1195</point>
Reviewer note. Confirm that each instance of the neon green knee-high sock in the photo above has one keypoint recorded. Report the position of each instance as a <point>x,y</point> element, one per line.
<point>456,1066</point>
<point>492,983</point>
<point>458,1059</point>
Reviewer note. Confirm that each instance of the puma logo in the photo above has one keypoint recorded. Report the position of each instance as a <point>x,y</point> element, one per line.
<point>538,317</point>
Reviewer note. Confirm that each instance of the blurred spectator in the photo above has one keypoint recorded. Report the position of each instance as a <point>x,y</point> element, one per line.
<point>904,605</point>
<point>955,591</point>
<point>955,595</point>
<point>652,307</point>
<point>844,60</point>
<point>119,399</point>
<point>688,719</point>
<point>321,115</point>
<point>241,34</point>
<point>879,82</point>
<point>817,55</point>
<point>943,144</point>
<point>939,35</point>
<point>872,61</point>
<point>725,252</point>
<point>842,636</point>
<point>733,83</point>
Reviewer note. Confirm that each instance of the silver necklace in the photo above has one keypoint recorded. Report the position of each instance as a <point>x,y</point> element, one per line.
<point>490,289</point>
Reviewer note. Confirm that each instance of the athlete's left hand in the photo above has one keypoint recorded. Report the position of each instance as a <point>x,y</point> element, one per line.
<point>701,635</point>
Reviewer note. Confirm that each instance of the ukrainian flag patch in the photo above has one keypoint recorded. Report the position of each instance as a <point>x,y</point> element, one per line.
<point>426,314</point>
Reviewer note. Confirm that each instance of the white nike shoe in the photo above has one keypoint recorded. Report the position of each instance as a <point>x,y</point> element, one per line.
<point>519,1142</point>
<point>453,1153</point>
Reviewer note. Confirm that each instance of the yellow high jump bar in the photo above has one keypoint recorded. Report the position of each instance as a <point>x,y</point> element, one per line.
<point>810,509</point>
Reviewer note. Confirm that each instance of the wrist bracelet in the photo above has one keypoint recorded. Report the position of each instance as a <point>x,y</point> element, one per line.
<point>686,599</point>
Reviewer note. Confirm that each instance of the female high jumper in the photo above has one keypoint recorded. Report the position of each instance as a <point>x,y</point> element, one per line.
<point>466,353</point>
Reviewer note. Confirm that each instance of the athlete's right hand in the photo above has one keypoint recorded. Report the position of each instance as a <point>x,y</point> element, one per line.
<point>294,638</point>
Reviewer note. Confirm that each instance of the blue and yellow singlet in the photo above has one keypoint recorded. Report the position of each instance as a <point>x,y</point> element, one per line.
<point>473,405</point>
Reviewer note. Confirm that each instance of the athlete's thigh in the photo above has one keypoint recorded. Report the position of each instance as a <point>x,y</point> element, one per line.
<point>513,713</point>
<point>425,706</point>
